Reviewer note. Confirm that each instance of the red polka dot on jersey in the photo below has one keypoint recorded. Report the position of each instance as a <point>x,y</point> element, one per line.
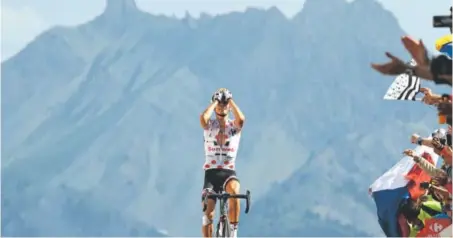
<point>220,167</point>
<point>226,162</point>
<point>213,162</point>
<point>207,166</point>
<point>231,166</point>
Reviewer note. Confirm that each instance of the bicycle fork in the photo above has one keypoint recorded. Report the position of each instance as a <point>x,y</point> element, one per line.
<point>223,227</point>
<point>220,226</point>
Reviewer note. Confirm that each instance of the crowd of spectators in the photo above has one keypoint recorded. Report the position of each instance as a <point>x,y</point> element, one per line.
<point>429,199</point>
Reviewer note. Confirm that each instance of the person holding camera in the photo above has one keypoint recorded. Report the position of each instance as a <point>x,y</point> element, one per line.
<point>423,163</point>
<point>439,177</point>
<point>440,142</point>
<point>221,143</point>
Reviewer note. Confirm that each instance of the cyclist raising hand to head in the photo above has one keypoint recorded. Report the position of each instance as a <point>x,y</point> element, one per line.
<point>221,143</point>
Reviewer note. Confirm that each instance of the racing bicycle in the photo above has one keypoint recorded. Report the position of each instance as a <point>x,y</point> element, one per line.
<point>223,228</point>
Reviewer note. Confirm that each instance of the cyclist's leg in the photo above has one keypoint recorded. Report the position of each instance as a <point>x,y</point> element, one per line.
<point>208,215</point>
<point>232,186</point>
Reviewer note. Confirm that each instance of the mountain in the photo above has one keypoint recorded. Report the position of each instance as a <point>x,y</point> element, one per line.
<point>101,133</point>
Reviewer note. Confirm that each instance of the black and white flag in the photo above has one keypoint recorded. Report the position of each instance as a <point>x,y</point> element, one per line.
<point>404,87</point>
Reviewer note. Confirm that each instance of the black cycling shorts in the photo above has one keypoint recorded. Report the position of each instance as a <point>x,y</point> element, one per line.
<point>216,179</point>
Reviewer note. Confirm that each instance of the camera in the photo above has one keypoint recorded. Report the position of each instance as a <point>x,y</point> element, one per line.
<point>442,21</point>
<point>425,185</point>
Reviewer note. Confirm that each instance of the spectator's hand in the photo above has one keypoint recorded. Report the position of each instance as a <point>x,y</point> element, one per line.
<point>426,91</point>
<point>409,153</point>
<point>449,130</point>
<point>439,180</point>
<point>419,54</point>
<point>394,67</point>
<point>440,190</point>
<point>417,50</point>
<point>414,138</point>
<point>429,97</point>
<point>435,142</point>
<point>440,193</point>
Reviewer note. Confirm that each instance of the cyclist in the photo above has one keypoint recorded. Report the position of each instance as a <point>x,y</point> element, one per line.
<point>221,143</point>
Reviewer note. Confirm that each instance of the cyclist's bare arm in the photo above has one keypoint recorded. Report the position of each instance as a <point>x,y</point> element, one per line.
<point>204,117</point>
<point>239,117</point>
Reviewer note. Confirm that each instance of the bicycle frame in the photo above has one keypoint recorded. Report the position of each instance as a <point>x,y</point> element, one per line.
<point>223,205</point>
<point>223,224</point>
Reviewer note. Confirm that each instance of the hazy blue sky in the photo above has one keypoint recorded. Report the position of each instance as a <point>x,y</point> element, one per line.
<point>22,20</point>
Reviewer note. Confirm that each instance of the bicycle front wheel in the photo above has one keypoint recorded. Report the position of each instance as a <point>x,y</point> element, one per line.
<point>227,232</point>
<point>219,229</point>
<point>223,229</point>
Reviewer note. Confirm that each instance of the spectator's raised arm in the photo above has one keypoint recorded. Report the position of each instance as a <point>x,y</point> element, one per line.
<point>417,50</point>
<point>395,67</point>
<point>424,164</point>
<point>416,139</point>
<point>429,97</point>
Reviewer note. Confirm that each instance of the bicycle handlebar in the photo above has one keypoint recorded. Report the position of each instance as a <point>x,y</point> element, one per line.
<point>225,196</point>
